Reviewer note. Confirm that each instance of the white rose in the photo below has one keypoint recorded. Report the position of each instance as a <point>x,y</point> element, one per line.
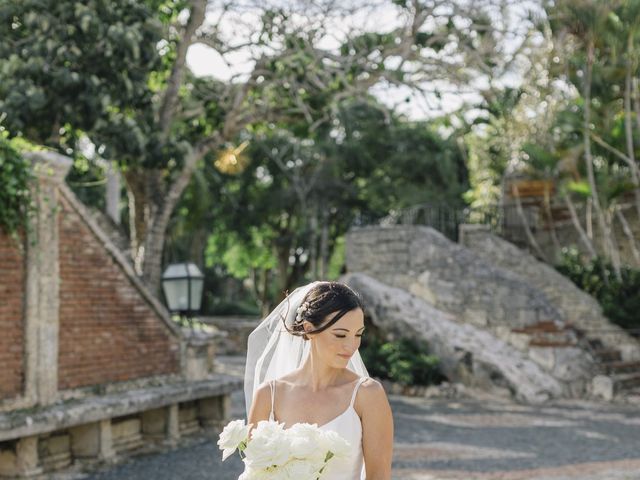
<point>332,441</point>
<point>301,469</point>
<point>304,442</point>
<point>337,447</point>
<point>268,429</point>
<point>232,435</point>
<point>264,451</point>
<point>254,474</point>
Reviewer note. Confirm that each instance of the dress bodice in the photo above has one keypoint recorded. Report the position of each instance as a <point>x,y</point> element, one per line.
<point>349,426</point>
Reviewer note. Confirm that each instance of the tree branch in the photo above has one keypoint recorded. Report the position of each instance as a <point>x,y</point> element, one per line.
<point>169,101</point>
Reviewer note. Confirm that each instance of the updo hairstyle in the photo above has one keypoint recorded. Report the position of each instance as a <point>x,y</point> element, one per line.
<point>321,301</point>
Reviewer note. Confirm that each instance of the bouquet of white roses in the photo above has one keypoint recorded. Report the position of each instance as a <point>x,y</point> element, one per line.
<point>302,452</point>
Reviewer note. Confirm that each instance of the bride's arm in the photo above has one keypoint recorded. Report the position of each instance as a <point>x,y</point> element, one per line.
<point>260,406</point>
<point>377,430</point>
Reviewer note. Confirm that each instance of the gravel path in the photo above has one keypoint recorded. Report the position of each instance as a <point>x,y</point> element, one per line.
<point>452,439</point>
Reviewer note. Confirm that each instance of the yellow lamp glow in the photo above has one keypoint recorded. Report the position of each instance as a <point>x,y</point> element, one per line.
<point>231,161</point>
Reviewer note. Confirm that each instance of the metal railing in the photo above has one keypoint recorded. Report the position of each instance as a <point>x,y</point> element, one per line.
<point>446,218</point>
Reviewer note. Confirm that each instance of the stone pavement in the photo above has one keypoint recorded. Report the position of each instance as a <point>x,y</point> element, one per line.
<point>438,439</point>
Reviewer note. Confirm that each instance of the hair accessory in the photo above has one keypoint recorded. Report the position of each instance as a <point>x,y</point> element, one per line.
<point>300,311</point>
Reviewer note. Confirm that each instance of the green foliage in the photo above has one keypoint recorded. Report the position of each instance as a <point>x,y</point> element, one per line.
<point>620,300</point>
<point>241,257</point>
<point>218,306</point>
<point>66,63</point>
<point>367,163</point>
<point>15,179</point>
<point>406,361</point>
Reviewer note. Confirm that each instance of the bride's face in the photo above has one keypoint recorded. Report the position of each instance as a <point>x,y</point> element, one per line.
<point>341,340</point>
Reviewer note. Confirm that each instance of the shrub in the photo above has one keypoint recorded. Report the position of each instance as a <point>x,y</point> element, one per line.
<point>15,177</point>
<point>406,361</point>
<point>620,300</point>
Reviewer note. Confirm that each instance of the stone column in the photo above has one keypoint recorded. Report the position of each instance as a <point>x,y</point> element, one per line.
<point>23,462</point>
<point>43,280</point>
<point>92,441</point>
<point>466,231</point>
<point>214,412</point>
<point>173,424</point>
<point>198,355</point>
<point>155,423</point>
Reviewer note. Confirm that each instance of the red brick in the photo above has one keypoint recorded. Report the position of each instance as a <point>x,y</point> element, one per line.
<point>12,283</point>
<point>108,332</point>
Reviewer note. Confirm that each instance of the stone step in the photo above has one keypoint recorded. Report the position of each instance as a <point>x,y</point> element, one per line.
<point>595,343</point>
<point>608,355</point>
<point>543,326</point>
<point>128,444</point>
<point>56,461</point>
<point>189,427</point>
<point>626,381</point>
<point>549,343</point>
<point>619,367</point>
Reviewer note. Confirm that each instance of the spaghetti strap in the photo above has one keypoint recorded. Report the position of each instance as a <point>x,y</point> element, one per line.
<point>272,384</point>
<point>355,390</point>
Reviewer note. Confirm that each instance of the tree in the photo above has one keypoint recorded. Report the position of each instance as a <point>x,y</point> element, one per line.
<point>283,217</point>
<point>598,42</point>
<point>143,109</point>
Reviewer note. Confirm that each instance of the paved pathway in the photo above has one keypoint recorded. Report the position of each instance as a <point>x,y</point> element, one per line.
<point>447,439</point>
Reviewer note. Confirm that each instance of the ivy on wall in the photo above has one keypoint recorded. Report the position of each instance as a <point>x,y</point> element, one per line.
<point>15,198</point>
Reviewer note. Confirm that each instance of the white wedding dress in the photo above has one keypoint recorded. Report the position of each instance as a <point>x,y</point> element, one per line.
<point>349,426</point>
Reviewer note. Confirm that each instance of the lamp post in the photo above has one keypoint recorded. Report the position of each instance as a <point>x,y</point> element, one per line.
<point>182,284</point>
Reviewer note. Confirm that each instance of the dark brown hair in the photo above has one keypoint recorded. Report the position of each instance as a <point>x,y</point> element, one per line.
<point>321,301</point>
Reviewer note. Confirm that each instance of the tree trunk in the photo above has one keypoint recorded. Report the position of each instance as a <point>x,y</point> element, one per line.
<point>324,245</point>
<point>525,223</point>
<point>552,226</point>
<point>313,240</point>
<point>576,223</point>
<point>150,208</point>
<point>629,234</point>
<point>139,216</point>
<point>628,129</point>
<point>112,199</point>
<point>615,257</point>
<point>600,216</point>
<point>167,109</point>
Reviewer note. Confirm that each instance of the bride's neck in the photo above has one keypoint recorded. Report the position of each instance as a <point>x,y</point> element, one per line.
<point>317,375</point>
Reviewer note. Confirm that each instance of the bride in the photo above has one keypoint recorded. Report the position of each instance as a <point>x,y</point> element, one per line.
<point>303,366</point>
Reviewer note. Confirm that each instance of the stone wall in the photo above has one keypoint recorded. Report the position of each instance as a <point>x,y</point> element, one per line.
<point>467,353</point>
<point>92,367</point>
<point>475,292</point>
<point>234,332</point>
<point>12,278</point>
<point>577,307</point>
<point>107,331</point>
<point>74,316</point>
<point>450,277</point>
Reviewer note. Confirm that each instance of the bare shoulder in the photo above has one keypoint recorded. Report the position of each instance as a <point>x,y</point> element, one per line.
<point>372,388</point>
<point>262,399</point>
<point>371,396</point>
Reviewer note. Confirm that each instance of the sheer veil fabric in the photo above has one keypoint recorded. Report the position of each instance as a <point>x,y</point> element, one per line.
<point>273,352</point>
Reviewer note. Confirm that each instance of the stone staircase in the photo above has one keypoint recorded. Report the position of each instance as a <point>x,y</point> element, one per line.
<point>624,376</point>
<point>548,334</point>
<point>616,353</point>
<point>489,284</point>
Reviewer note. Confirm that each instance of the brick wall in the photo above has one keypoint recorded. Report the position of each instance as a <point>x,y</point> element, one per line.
<point>12,284</point>
<point>108,332</point>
